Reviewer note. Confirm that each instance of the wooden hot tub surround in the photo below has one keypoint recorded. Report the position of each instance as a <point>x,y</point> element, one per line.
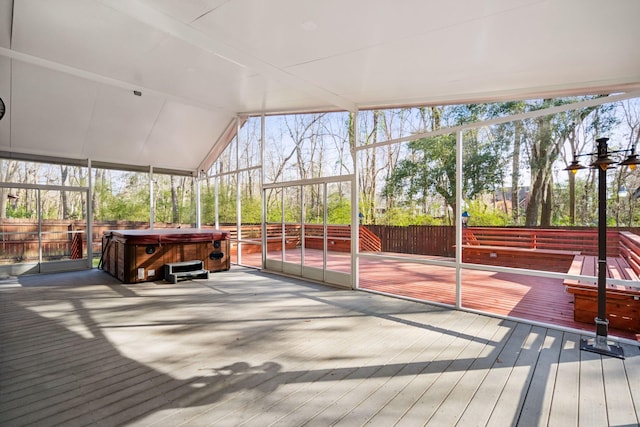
<point>140,255</point>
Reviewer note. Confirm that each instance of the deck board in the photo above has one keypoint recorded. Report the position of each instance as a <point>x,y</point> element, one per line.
<point>479,410</point>
<point>592,404</point>
<point>566,388</point>
<point>512,397</point>
<point>621,410</point>
<point>438,393</point>
<point>632,366</point>
<point>537,406</point>
<point>250,348</point>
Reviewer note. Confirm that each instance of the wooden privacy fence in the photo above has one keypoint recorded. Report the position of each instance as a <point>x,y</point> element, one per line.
<point>22,239</point>
<point>441,240</point>
<point>19,237</point>
<point>416,239</point>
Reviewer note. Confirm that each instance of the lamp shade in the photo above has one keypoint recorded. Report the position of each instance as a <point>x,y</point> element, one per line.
<point>574,166</point>
<point>632,161</point>
<point>603,162</point>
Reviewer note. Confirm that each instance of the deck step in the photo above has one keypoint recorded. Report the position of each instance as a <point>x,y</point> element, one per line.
<point>193,269</point>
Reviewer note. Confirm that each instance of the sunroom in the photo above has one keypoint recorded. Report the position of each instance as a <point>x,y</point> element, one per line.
<point>413,149</point>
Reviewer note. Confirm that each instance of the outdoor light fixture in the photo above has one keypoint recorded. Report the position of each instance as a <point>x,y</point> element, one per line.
<point>3,109</point>
<point>575,166</point>
<point>602,163</point>
<point>465,218</point>
<point>632,159</point>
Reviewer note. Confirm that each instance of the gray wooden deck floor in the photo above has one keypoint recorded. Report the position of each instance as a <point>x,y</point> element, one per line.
<point>247,348</point>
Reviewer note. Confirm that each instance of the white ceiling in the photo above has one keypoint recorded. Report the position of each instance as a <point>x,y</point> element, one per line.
<point>68,68</point>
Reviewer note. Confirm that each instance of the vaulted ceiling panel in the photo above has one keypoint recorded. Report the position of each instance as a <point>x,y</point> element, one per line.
<point>50,111</point>
<point>182,136</point>
<point>120,123</point>
<point>190,72</point>
<point>84,34</point>
<point>291,33</point>
<point>187,11</point>
<point>492,57</point>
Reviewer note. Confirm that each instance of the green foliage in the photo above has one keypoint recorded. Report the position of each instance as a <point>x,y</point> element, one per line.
<point>227,206</point>
<point>129,205</point>
<point>483,214</point>
<point>164,206</point>
<point>207,206</point>
<point>338,209</point>
<point>403,217</point>
<point>274,215</point>
<point>251,210</point>
<point>431,167</point>
<point>20,211</point>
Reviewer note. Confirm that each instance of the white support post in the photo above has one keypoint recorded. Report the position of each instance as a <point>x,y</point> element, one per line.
<point>263,213</point>
<point>216,190</point>
<point>238,195</point>
<point>89,195</point>
<point>198,201</point>
<point>152,211</point>
<point>458,218</point>
<point>355,207</point>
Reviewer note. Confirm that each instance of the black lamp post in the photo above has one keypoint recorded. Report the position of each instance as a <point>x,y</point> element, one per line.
<point>602,163</point>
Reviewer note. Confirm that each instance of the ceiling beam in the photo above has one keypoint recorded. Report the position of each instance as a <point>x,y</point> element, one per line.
<point>169,25</point>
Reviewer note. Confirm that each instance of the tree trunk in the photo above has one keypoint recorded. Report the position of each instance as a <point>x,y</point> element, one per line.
<point>99,187</point>
<point>541,161</point>
<point>572,199</point>
<point>4,198</point>
<point>8,171</point>
<point>533,204</point>
<point>547,204</point>
<point>515,174</point>
<point>174,202</point>
<point>64,174</point>
<point>83,199</point>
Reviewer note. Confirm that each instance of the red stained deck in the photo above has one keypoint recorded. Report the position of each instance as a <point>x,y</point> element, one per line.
<point>532,298</point>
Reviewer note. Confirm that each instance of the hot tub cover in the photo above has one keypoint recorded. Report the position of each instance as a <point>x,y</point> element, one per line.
<point>167,235</point>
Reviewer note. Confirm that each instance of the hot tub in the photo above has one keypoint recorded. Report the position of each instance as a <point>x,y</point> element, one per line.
<point>140,255</point>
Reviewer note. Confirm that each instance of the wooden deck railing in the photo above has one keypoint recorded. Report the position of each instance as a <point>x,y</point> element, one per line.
<point>338,237</point>
<point>423,240</point>
<point>583,241</point>
<point>630,250</point>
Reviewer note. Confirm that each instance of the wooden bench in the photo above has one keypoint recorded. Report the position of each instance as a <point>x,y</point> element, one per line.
<point>338,237</point>
<point>274,244</point>
<point>623,302</point>
<point>336,244</point>
<point>630,250</point>
<point>519,257</point>
<point>583,241</point>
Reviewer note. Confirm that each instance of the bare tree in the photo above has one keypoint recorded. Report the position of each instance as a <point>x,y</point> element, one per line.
<point>8,172</point>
